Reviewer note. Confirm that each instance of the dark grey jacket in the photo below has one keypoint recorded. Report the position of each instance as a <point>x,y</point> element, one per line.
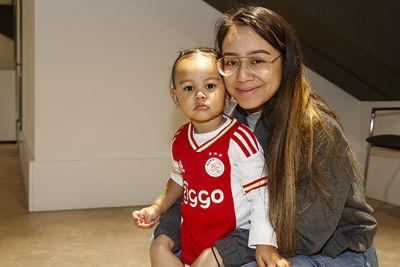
<point>320,229</point>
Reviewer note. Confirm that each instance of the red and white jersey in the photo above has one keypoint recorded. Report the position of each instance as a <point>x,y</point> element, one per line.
<point>224,180</point>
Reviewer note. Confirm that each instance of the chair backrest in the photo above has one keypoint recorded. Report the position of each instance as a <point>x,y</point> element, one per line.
<point>374,110</point>
<point>389,141</point>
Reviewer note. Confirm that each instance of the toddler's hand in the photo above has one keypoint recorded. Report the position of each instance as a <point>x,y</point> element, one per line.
<point>146,217</point>
<point>268,256</point>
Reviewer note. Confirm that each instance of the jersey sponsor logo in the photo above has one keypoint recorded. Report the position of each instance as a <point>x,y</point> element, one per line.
<point>214,166</point>
<point>203,198</point>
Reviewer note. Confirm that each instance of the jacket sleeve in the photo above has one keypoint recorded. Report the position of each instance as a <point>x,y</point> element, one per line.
<point>342,221</point>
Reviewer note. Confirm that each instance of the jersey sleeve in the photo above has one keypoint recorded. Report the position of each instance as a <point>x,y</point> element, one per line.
<point>247,154</point>
<point>347,223</point>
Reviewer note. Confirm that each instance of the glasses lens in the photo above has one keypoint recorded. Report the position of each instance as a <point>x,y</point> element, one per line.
<point>256,64</point>
<point>259,64</point>
<point>228,65</point>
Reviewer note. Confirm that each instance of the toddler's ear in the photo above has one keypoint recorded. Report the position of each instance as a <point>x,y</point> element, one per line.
<point>172,92</point>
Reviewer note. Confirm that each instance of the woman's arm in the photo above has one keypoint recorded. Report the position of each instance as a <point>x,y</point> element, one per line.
<point>341,219</point>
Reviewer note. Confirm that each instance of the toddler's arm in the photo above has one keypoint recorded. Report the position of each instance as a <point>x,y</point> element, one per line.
<point>147,217</point>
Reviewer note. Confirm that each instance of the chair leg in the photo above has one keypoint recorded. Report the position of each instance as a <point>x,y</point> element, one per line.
<point>366,165</point>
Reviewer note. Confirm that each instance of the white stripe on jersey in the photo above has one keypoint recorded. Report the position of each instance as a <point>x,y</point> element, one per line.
<point>249,137</point>
<point>246,145</point>
<point>190,129</point>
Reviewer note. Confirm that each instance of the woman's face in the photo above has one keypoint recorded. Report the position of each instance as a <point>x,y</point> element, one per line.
<point>251,89</point>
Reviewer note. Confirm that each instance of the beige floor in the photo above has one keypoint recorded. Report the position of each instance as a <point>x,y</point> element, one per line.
<point>106,237</point>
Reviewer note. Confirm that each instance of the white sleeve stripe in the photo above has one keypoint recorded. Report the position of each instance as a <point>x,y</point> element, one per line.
<point>251,140</point>
<point>245,144</point>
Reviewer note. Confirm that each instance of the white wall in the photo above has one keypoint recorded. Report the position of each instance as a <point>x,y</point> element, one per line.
<point>97,89</point>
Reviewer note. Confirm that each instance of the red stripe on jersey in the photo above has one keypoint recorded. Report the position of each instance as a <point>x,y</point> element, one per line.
<point>241,145</point>
<point>261,185</point>
<point>255,184</point>
<point>256,181</point>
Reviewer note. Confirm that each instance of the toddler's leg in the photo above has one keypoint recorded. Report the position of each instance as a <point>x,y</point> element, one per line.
<point>229,251</point>
<point>167,239</point>
<point>170,225</point>
<point>161,253</point>
<point>234,249</point>
<point>209,259</point>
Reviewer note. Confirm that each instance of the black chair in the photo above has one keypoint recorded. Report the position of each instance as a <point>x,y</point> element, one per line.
<point>390,141</point>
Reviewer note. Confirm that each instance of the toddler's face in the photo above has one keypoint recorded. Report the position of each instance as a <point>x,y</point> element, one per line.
<point>200,90</point>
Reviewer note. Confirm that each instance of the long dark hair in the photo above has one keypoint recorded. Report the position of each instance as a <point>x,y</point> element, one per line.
<point>293,113</point>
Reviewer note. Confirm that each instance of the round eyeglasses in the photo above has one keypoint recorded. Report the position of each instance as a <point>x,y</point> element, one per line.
<point>229,65</point>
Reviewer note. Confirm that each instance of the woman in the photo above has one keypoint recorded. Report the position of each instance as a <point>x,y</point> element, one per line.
<point>316,196</point>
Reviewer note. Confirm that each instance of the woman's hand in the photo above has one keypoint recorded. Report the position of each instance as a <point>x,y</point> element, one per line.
<point>146,217</point>
<point>268,256</point>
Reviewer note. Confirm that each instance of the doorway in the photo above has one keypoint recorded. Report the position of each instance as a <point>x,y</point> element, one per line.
<point>10,71</point>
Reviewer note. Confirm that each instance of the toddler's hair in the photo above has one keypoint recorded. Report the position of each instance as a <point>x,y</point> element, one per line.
<point>190,52</point>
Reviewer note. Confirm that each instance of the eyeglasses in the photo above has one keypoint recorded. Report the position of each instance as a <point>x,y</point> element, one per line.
<point>198,49</point>
<point>260,65</point>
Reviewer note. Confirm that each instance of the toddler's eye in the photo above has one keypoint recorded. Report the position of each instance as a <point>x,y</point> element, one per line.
<point>188,88</point>
<point>210,86</point>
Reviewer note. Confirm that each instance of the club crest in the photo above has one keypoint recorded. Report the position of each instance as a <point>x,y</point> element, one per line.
<point>214,167</point>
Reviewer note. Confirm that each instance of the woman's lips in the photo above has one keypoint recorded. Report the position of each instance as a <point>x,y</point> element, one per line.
<point>247,91</point>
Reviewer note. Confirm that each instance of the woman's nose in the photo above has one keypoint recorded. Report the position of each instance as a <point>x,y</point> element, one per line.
<point>244,73</point>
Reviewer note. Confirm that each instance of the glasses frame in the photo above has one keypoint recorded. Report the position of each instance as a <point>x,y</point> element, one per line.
<point>269,62</point>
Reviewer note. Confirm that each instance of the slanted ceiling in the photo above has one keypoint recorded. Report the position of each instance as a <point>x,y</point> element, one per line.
<point>353,44</point>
